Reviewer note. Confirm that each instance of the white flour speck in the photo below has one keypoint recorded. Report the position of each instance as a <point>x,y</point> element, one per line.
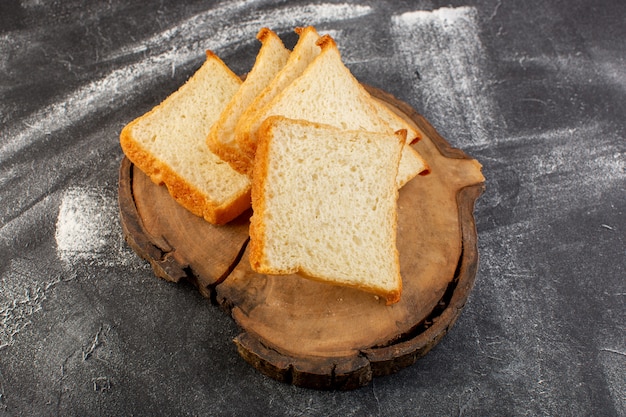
<point>23,290</point>
<point>443,46</point>
<point>88,229</point>
<point>215,28</point>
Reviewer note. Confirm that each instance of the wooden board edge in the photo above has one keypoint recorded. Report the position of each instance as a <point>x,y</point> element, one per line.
<point>136,235</point>
<point>351,372</point>
<point>406,350</point>
<point>343,373</point>
<point>337,373</point>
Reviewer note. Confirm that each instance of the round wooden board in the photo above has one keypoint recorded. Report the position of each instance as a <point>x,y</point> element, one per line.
<point>309,333</point>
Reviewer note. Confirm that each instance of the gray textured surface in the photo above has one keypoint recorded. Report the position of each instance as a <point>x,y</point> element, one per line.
<point>536,91</point>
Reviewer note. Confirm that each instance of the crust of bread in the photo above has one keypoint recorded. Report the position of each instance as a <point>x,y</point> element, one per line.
<point>258,260</point>
<point>242,131</point>
<point>412,163</point>
<point>257,252</point>
<point>183,192</point>
<point>264,34</point>
<point>230,151</point>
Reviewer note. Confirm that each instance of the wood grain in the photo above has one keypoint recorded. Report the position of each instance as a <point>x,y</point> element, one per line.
<point>313,334</point>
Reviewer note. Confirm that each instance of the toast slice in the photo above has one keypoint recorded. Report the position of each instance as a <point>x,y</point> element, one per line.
<point>221,139</point>
<point>328,93</point>
<point>324,202</point>
<point>304,52</point>
<point>168,144</point>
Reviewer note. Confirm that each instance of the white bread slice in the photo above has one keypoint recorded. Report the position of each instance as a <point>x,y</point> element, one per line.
<point>412,162</point>
<point>168,144</point>
<point>304,52</point>
<point>396,122</point>
<point>328,93</point>
<point>411,165</point>
<point>324,203</point>
<point>271,58</point>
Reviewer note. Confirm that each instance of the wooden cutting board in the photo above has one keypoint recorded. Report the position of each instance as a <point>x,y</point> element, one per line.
<point>309,333</point>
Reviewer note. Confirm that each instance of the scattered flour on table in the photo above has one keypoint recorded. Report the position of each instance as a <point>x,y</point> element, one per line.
<point>595,66</point>
<point>88,232</point>
<point>88,229</point>
<point>443,46</point>
<point>612,358</point>
<point>216,30</point>
<point>23,290</point>
<point>521,288</point>
<point>555,182</point>
<point>95,97</point>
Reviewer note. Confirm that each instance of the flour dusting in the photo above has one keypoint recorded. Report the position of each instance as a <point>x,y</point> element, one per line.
<point>215,28</point>
<point>557,155</point>
<point>614,369</point>
<point>444,49</point>
<point>195,28</point>
<point>23,290</point>
<point>87,229</point>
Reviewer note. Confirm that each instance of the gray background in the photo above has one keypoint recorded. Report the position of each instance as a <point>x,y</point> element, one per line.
<point>535,90</point>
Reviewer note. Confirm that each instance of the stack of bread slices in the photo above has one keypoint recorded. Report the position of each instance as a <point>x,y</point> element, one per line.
<point>303,143</point>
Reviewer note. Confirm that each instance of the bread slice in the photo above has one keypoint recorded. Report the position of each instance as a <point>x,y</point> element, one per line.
<point>396,122</point>
<point>168,144</point>
<point>304,52</point>
<point>411,165</point>
<point>327,93</point>
<point>412,162</point>
<point>324,203</point>
<point>221,139</point>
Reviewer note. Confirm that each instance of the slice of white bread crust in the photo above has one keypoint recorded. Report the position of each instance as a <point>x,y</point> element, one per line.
<point>324,203</point>
<point>304,52</point>
<point>169,144</point>
<point>271,58</point>
<point>328,93</point>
